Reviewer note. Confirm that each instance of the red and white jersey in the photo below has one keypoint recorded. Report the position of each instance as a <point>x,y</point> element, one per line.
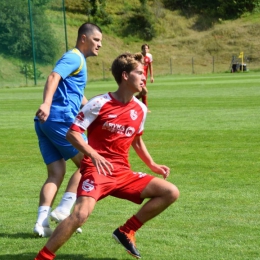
<point>111,127</point>
<point>150,56</point>
<point>148,59</point>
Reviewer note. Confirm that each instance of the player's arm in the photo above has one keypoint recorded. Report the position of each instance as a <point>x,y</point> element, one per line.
<point>49,90</point>
<point>141,150</point>
<point>83,102</point>
<point>75,138</point>
<point>150,66</point>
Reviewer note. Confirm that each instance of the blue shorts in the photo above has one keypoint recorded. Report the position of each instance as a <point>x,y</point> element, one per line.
<point>52,141</point>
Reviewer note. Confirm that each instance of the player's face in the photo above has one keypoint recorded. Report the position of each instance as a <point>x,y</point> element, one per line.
<point>93,43</point>
<point>145,50</point>
<point>137,78</point>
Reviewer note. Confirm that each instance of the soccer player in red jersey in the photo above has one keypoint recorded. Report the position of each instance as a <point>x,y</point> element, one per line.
<point>114,121</point>
<point>148,59</point>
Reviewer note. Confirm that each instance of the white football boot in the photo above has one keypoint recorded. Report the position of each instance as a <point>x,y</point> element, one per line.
<point>57,216</point>
<point>41,231</point>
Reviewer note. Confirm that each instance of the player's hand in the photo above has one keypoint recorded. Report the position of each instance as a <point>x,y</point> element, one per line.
<point>161,169</point>
<point>152,80</point>
<point>43,112</point>
<point>103,166</point>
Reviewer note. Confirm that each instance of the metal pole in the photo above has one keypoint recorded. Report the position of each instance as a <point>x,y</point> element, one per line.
<point>192,64</point>
<point>64,19</point>
<point>32,36</point>
<point>213,62</point>
<point>104,71</point>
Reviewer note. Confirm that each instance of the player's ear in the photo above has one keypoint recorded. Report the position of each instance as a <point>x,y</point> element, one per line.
<point>124,75</point>
<point>83,38</point>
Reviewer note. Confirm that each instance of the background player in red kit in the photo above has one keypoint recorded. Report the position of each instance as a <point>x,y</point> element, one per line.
<point>148,59</point>
<point>114,121</point>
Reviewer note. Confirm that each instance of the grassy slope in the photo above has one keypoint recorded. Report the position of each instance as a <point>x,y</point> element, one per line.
<point>179,40</point>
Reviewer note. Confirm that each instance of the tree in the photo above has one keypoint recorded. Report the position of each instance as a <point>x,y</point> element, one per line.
<point>15,35</point>
<point>140,23</point>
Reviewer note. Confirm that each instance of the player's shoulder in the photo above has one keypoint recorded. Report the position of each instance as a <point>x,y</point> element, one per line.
<point>70,58</point>
<point>150,56</point>
<point>140,104</point>
<point>100,99</point>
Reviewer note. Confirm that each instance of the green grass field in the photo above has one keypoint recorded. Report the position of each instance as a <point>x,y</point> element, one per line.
<point>206,128</point>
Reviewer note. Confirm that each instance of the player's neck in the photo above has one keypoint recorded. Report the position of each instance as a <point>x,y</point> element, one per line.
<point>122,97</point>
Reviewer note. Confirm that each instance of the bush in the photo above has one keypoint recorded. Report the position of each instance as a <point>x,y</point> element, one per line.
<point>15,33</point>
<point>27,70</point>
<point>219,8</point>
<point>140,24</point>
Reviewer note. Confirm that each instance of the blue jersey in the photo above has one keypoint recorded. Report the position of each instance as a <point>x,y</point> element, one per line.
<point>69,93</point>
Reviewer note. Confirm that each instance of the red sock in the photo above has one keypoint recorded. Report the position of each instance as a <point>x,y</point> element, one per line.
<point>131,224</point>
<point>45,254</point>
<point>144,100</point>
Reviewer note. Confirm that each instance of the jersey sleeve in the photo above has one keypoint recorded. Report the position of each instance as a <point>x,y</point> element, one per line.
<point>141,128</point>
<point>150,57</point>
<point>68,63</point>
<point>87,115</point>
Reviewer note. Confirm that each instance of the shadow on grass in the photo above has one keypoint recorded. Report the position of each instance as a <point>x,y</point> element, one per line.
<point>18,235</point>
<point>31,256</point>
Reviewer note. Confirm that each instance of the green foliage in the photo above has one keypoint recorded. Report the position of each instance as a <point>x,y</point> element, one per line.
<point>234,9</point>
<point>76,6</point>
<point>94,9</point>
<point>28,71</point>
<point>136,21</point>
<point>220,8</point>
<point>14,28</point>
<point>98,12</point>
<point>15,33</point>
<point>139,23</point>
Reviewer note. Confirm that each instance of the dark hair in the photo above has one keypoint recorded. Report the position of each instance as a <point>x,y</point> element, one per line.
<point>125,62</point>
<point>88,29</point>
<point>144,45</point>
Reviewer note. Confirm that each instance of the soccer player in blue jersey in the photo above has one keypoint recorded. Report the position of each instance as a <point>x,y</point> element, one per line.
<point>63,96</point>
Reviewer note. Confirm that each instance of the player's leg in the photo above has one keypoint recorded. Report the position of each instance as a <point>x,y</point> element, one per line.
<point>139,95</point>
<point>69,197</point>
<point>69,152</point>
<point>55,173</point>
<point>83,208</point>
<point>161,193</point>
<point>75,178</point>
<point>144,96</point>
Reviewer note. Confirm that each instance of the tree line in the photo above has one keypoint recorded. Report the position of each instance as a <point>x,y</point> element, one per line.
<point>222,9</point>
<point>137,21</point>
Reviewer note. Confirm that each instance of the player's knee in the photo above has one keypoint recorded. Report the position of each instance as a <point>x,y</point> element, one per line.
<point>56,179</point>
<point>80,217</point>
<point>173,193</point>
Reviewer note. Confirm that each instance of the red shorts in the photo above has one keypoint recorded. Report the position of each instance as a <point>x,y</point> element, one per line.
<point>125,184</point>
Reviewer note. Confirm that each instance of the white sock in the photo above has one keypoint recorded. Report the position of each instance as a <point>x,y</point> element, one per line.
<point>43,214</point>
<point>67,202</point>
